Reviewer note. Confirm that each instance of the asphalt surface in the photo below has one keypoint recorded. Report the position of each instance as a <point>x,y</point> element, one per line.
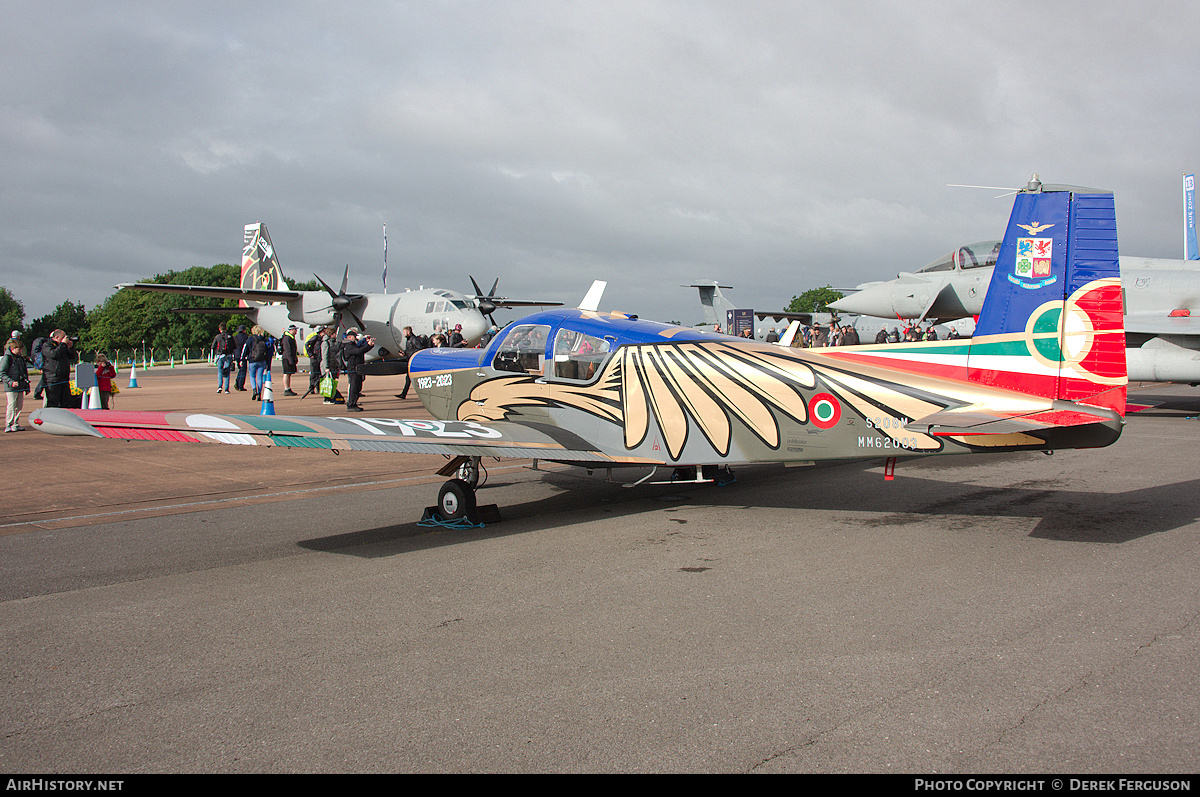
<point>197,608</point>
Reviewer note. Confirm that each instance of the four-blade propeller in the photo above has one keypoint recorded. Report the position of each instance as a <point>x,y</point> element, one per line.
<point>342,301</point>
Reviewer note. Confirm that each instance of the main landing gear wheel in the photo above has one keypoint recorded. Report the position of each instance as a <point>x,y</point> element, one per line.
<point>456,500</point>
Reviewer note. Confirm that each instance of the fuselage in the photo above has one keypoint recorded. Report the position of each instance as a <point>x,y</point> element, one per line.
<point>384,316</point>
<point>641,392</point>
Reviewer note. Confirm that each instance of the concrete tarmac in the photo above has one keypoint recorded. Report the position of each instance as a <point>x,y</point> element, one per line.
<point>206,608</point>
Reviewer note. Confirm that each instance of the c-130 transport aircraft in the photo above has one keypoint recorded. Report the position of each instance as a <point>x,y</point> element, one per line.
<point>1045,370</point>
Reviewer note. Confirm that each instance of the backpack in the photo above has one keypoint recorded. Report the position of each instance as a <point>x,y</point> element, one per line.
<point>36,351</point>
<point>224,343</point>
<point>312,346</point>
<point>260,349</point>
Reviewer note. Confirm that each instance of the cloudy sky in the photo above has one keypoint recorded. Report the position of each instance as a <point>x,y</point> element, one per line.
<point>775,146</point>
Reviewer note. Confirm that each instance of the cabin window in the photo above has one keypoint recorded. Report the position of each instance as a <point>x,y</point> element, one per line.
<point>578,355</point>
<point>523,349</point>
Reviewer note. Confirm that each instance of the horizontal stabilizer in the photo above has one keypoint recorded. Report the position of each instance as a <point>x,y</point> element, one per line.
<point>1034,417</point>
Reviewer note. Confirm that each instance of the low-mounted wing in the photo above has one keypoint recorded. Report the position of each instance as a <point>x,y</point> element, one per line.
<point>453,438</point>
<point>1182,323</point>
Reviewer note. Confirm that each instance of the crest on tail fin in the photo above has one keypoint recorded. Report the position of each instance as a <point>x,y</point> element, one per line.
<point>1052,324</point>
<point>260,267</point>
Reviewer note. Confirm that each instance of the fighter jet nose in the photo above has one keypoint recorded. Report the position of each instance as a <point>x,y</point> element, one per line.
<point>873,300</point>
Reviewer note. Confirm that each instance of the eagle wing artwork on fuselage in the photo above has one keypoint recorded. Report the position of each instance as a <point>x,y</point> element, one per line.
<point>1045,370</point>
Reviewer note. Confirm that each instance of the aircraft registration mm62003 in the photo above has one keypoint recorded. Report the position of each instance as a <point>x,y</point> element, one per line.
<point>1045,370</point>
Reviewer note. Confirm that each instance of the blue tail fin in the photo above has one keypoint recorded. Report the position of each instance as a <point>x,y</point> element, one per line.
<point>1052,322</point>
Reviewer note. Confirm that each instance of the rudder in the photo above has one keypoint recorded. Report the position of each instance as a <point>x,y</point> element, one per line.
<point>260,267</point>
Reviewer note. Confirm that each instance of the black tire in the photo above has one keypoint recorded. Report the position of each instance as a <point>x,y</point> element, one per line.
<point>456,500</point>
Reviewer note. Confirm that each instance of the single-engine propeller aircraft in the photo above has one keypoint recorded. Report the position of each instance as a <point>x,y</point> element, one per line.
<point>1045,371</point>
<point>1162,304</point>
<point>266,297</point>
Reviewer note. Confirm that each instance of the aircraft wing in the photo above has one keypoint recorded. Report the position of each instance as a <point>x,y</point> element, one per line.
<point>780,315</point>
<point>211,292</point>
<point>500,301</point>
<point>454,438</point>
<point>1160,324</point>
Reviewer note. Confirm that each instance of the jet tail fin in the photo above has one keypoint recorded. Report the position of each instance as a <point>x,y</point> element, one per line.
<point>1051,325</point>
<point>260,266</point>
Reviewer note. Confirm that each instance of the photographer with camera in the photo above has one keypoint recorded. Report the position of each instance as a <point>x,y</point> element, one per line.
<point>355,353</point>
<point>58,355</point>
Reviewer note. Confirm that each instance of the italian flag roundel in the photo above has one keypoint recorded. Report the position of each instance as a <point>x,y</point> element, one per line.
<point>824,410</point>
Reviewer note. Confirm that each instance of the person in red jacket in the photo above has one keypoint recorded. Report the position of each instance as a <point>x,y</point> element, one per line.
<point>105,374</point>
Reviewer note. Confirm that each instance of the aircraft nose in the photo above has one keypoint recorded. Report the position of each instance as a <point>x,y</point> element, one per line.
<point>872,300</point>
<point>473,326</point>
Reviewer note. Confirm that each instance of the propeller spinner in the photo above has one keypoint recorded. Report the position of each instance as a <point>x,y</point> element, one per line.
<point>485,303</point>
<point>340,301</point>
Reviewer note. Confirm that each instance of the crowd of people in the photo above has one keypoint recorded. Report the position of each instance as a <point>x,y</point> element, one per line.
<point>819,336</point>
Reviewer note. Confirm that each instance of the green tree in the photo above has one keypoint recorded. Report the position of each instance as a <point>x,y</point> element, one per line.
<point>70,317</point>
<point>128,319</point>
<point>12,312</point>
<point>814,300</point>
<point>310,285</point>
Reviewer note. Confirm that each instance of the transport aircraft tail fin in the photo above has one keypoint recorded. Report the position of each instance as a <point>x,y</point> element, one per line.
<point>713,301</point>
<point>260,266</point>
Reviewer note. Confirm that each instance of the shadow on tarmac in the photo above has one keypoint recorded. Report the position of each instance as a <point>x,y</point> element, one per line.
<point>850,489</point>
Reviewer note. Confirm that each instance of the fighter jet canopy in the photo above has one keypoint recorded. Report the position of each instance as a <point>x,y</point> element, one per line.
<point>978,255</point>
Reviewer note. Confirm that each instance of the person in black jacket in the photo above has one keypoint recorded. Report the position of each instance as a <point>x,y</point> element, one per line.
<point>412,345</point>
<point>58,353</point>
<point>354,351</point>
<point>241,357</point>
<point>289,352</point>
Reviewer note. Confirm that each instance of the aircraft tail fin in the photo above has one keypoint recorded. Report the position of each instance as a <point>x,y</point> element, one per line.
<point>1052,324</point>
<point>260,266</point>
<point>712,300</point>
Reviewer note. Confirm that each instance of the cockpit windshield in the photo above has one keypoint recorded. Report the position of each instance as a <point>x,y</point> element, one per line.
<point>977,255</point>
<point>523,349</point>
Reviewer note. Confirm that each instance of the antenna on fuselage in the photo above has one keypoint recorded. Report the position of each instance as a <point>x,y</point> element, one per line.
<point>591,300</point>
